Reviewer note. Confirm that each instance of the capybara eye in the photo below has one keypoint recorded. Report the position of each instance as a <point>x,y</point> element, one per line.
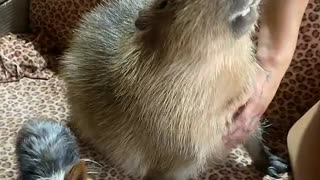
<point>163,4</point>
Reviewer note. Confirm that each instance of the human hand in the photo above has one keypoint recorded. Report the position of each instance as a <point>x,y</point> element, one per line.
<point>247,119</point>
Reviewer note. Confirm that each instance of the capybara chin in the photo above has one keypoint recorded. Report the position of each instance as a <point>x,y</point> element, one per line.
<point>154,84</point>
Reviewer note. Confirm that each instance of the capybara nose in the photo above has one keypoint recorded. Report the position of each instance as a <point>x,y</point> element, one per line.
<point>243,16</point>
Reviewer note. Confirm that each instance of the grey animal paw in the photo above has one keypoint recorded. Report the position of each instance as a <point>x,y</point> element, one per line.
<point>264,160</point>
<point>277,166</point>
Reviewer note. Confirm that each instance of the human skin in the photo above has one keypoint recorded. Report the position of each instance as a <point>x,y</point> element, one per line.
<point>277,39</point>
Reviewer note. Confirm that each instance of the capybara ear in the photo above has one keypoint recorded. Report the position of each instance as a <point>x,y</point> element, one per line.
<point>77,172</point>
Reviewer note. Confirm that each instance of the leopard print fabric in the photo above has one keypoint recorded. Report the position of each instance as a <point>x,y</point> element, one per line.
<point>54,20</point>
<point>19,58</point>
<point>28,98</point>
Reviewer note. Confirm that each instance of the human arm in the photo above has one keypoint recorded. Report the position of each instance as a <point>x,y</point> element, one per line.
<point>277,38</point>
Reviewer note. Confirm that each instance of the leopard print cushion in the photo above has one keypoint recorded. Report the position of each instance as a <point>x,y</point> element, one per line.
<point>53,22</point>
<point>19,58</point>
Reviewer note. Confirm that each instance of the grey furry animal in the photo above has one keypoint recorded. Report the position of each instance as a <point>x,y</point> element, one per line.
<point>154,84</point>
<point>48,150</point>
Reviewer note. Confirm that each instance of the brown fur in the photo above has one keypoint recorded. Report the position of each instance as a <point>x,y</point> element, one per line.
<point>158,100</point>
<point>77,172</point>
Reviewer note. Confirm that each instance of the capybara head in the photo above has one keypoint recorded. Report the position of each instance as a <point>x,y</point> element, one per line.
<point>190,24</point>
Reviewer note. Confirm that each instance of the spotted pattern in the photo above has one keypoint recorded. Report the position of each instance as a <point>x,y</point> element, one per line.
<point>19,58</point>
<point>52,22</point>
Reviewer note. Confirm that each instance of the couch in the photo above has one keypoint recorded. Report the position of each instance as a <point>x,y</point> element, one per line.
<point>33,35</point>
